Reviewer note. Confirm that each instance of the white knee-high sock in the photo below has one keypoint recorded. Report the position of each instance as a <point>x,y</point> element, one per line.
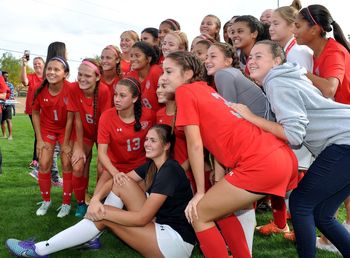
<point>113,200</point>
<point>248,222</point>
<point>80,233</point>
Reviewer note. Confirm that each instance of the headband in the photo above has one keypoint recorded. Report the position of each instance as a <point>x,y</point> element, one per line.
<point>307,8</point>
<point>133,83</point>
<point>61,60</point>
<point>111,47</point>
<point>173,23</point>
<point>92,66</point>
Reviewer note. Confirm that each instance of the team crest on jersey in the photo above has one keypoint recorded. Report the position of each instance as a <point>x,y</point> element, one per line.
<point>65,100</point>
<point>46,100</point>
<point>148,84</point>
<point>144,124</point>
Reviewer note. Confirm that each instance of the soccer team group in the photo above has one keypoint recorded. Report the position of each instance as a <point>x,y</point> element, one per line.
<point>190,138</point>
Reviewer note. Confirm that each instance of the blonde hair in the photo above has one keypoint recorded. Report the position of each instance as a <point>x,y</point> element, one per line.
<point>182,39</point>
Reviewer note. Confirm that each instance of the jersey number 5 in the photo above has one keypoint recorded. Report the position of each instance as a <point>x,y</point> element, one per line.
<point>133,144</point>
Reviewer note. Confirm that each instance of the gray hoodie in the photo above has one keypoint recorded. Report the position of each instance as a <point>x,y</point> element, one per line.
<point>306,116</point>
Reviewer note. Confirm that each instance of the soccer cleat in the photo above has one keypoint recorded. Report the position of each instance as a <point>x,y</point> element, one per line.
<point>326,247</point>
<point>64,210</point>
<point>81,210</point>
<point>43,208</point>
<point>272,228</point>
<point>93,244</point>
<point>22,248</point>
<point>289,236</point>
<point>34,164</point>
<point>34,173</point>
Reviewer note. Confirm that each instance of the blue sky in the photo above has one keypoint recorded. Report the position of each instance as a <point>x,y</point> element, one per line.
<point>86,26</point>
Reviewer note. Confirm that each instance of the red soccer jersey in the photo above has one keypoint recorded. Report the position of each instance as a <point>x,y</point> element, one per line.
<point>225,134</point>
<point>180,148</point>
<point>235,142</point>
<point>125,145</point>
<point>3,88</point>
<point>33,83</point>
<point>125,66</point>
<point>111,86</point>
<point>53,109</point>
<point>149,86</point>
<point>334,61</point>
<point>85,106</point>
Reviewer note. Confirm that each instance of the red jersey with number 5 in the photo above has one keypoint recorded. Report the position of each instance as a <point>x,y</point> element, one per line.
<point>53,109</point>
<point>125,145</point>
<point>85,106</point>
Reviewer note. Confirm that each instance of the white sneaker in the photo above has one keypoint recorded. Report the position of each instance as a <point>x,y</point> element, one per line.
<point>327,247</point>
<point>64,210</point>
<point>43,208</point>
<point>346,226</point>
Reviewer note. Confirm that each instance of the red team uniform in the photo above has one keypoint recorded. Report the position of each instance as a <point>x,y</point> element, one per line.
<point>334,61</point>
<point>125,66</point>
<point>260,162</point>
<point>149,86</point>
<point>3,89</point>
<point>111,86</point>
<point>85,106</point>
<point>125,145</point>
<point>33,83</point>
<point>53,113</point>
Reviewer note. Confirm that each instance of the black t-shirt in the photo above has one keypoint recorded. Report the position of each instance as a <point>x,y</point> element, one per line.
<point>171,180</point>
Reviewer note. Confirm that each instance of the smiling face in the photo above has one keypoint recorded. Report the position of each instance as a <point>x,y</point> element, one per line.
<point>126,42</point>
<point>55,72</point>
<point>164,28</point>
<point>108,60</point>
<point>123,99</point>
<point>162,94</point>
<point>209,26</point>
<point>154,146</point>
<point>170,44</point>
<point>38,65</point>
<point>201,51</point>
<point>241,35</point>
<point>86,77</point>
<point>216,60</point>
<point>173,76</point>
<point>261,61</point>
<point>138,59</point>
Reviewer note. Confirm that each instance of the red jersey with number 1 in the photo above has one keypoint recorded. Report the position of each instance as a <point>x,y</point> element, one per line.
<point>85,106</point>
<point>180,148</point>
<point>53,109</point>
<point>125,145</point>
<point>149,86</point>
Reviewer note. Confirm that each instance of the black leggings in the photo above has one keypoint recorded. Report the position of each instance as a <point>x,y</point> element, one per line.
<point>35,157</point>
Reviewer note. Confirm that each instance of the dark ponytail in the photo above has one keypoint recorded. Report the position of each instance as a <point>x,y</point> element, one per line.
<point>135,89</point>
<point>319,15</point>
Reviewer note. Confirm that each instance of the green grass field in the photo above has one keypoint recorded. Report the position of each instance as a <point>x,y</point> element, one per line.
<point>19,194</point>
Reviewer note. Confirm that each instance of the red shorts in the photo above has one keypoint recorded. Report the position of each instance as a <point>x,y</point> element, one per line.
<point>53,137</point>
<point>274,174</point>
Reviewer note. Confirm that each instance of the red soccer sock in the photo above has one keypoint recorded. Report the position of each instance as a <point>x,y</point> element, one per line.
<point>211,243</point>
<point>67,187</point>
<point>234,236</point>
<point>78,185</point>
<point>45,185</point>
<point>279,211</point>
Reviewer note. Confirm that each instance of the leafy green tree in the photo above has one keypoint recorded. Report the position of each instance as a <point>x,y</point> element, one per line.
<point>13,66</point>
